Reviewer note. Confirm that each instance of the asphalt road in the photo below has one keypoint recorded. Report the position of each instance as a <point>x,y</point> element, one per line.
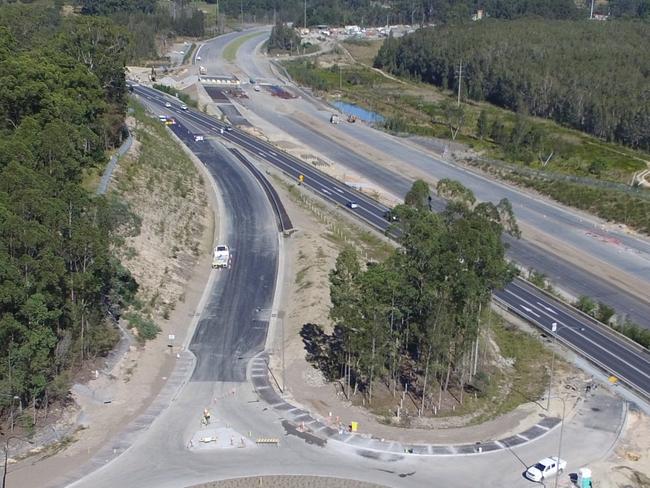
<point>162,455</point>
<point>622,251</point>
<point>233,326</point>
<point>372,212</point>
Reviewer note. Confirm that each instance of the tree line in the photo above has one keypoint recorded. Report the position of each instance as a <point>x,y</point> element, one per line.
<point>149,22</point>
<point>414,318</point>
<point>63,102</point>
<point>417,12</point>
<point>283,38</point>
<point>590,76</point>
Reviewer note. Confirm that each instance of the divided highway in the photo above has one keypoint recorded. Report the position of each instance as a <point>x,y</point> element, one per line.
<point>613,354</point>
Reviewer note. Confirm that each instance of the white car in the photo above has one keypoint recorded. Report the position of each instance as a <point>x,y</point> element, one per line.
<point>353,205</point>
<point>221,256</point>
<point>545,468</point>
<point>198,58</point>
<point>183,107</point>
<point>168,105</point>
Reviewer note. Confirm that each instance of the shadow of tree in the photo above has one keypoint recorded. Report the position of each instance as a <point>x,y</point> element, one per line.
<point>324,351</point>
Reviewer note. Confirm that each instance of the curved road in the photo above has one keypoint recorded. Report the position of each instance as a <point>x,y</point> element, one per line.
<point>162,456</point>
<point>627,254</point>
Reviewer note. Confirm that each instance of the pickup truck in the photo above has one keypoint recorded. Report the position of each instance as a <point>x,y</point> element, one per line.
<point>545,468</point>
<point>221,257</point>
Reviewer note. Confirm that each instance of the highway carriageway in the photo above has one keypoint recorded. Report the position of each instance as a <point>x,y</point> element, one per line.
<point>611,352</point>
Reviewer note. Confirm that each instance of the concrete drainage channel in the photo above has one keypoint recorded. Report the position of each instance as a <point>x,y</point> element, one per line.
<point>302,424</point>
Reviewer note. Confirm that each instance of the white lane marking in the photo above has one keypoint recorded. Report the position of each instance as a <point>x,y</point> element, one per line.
<point>339,190</point>
<point>529,310</point>
<point>325,191</point>
<point>547,308</point>
<point>272,153</point>
<point>261,153</point>
<point>577,332</point>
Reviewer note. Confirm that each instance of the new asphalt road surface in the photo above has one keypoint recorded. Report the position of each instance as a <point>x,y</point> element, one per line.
<point>624,252</point>
<point>370,211</point>
<point>178,450</point>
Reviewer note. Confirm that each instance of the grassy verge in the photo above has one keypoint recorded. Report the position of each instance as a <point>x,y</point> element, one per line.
<point>230,51</point>
<point>163,188</point>
<point>339,230</point>
<point>183,97</point>
<point>188,54</point>
<point>500,388</point>
<point>578,160</point>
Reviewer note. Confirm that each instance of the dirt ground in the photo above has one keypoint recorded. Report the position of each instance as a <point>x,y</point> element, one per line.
<point>310,254</point>
<point>629,464</point>
<point>288,482</point>
<point>291,145</point>
<point>106,404</point>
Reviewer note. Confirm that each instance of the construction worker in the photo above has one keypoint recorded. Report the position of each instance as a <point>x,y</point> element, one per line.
<point>206,416</point>
<point>301,179</point>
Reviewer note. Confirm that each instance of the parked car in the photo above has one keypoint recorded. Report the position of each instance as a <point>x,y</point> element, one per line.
<point>545,468</point>
<point>352,204</point>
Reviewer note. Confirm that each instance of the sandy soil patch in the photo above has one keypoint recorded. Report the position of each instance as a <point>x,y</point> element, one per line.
<point>310,254</point>
<point>176,279</point>
<point>629,464</point>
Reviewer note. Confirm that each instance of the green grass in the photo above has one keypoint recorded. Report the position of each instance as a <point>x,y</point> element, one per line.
<point>188,53</point>
<point>183,97</point>
<point>505,390</point>
<point>413,109</point>
<point>230,51</point>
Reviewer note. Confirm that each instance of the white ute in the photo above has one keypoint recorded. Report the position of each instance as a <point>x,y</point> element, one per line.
<point>545,468</point>
<point>221,256</point>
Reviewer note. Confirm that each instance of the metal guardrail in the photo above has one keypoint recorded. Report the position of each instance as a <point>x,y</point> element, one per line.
<point>284,222</point>
<point>580,352</point>
<point>592,321</point>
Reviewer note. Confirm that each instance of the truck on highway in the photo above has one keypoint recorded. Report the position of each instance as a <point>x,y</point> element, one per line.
<point>334,119</point>
<point>220,257</point>
<point>202,70</point>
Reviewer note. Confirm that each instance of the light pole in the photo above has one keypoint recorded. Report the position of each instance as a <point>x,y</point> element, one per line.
<point>559,446</point>
<point>550,380</point>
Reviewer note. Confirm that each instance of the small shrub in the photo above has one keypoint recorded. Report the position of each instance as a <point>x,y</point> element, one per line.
<point>145,326</point>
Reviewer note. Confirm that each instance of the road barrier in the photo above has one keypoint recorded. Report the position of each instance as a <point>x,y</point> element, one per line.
<point>268,440</point>
<point>284,222</point>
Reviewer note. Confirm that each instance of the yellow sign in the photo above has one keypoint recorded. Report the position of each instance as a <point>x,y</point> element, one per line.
<point>354,426</point>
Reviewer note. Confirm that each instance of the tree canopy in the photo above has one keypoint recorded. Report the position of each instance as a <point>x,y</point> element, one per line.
<point>421,306</point>
<point>590,76</point>
<point>62,104</point>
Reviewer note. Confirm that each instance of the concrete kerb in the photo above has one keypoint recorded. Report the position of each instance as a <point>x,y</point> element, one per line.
<point>169,393</point>
<point>217,203</point>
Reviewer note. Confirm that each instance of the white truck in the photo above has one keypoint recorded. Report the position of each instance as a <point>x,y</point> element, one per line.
<point>202,70</point>
<point>221,257</point>
<point>545,468</point>
<point>334,119</point>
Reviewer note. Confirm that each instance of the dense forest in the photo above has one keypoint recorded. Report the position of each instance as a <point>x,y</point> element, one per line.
<point>592,76</point>
<point>414,318</point>
<point>417,12</point>
<point>149,22</point>
<point>63,100</point>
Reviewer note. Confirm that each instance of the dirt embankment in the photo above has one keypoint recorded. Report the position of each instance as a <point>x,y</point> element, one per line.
<point>170,259</point>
